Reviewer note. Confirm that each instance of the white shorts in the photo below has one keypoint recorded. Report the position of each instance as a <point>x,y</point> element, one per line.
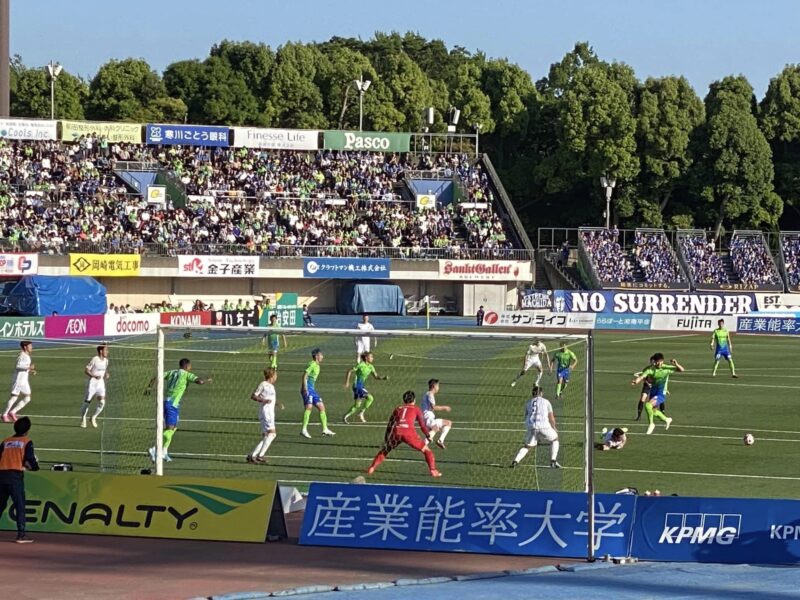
<point>362,348</point>
<point>267,418</point>
<point>95,387</point>
<point>533,362</point>
<point>20,388</point>
<point>545,435</point>
<point>432,422</point>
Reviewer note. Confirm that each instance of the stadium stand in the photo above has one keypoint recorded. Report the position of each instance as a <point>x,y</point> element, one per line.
<point>655,259</point>
<point>752,259</point>
<point>790,254</point>
<point>280,203</point>
<point>702,263</point>
<point>606,256</point>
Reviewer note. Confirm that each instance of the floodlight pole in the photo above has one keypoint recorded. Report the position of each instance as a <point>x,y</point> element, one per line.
<point>362,85</point>
<point>609,183</point>
<point>54,70</point>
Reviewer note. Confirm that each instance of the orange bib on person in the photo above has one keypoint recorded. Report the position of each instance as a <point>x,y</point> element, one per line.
<point>13,457</point>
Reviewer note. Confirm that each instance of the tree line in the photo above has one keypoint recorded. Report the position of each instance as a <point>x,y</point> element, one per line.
<point>725,161</point>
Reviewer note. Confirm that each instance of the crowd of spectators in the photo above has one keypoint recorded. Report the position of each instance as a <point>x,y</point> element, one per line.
<point>752,260</point>
<point>606,254</point>
<point>790,246</point>
<point>55,197</point>
<point>653,253</point>
<point>705,266</point>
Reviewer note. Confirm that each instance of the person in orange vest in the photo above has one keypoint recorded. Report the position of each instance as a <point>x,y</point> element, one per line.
<point>16,455</point>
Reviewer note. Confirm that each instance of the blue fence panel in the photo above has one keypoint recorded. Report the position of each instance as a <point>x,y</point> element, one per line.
<point>464,520</point>
<point>787,324</point>
<point>186,135</point>
<point>346,268</point>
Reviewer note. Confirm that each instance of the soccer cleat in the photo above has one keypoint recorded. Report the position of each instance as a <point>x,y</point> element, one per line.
<point>362,417</point>
<point>668,423</point>
<point>94,422</point>
<point>6,419</point>
<point>371,470</point>
<point>305,434</point>
<point>260,460</point>
<point>250,458</point>
<point>441,445</point>
<point>344,419</point>
<point>436,473</point>
<point>513,384</point>
<point>167,457</point>
<point>554,464</point>
<point>83,423</point>
<point>735,376</point>
<point>651,428</point>
<point>152,452</point>
<point>13,416</point>
<point>328,432</point>
<point>514,464</point>
<point>23,539</point>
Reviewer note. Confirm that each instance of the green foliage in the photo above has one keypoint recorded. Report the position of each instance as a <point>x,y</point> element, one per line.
<point>30,93</point>
<point>294,99</point>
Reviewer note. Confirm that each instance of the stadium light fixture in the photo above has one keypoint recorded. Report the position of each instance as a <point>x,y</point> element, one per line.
<point>54,70</point>
<point>477,127</point>
<point>362,85</point>
<point>609,183</point>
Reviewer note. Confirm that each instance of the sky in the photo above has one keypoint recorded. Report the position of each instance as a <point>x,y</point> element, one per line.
<point>703,40</point>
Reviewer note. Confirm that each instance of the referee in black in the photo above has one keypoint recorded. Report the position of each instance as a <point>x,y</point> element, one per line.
<point>16,455</point>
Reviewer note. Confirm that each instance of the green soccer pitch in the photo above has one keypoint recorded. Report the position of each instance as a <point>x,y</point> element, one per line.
<point>702,453</point>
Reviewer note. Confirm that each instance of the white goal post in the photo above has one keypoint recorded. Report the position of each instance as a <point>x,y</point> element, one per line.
<point>164,331</point>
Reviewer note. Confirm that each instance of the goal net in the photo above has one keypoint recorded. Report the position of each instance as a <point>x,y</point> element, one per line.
<point>219,424</point>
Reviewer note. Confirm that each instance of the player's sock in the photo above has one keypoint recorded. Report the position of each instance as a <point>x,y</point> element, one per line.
<point>519,376</point>
<point>538,377</point>
<point>716,366</point>
<point>10,404</point>
<point>368,402</point>
<point>22,404</point>
<point>257,450</point>
<point>379,458</point>
<point>101,404</point>
<point>306,419</point>
<point>429,458</point>
<point>168,433</point>
<point>554,450</point>
<point>732,366</point>
<point>445,431</point>
<point>323,418</point>
<point>523,452</point>
<point>265,444</point>
<point>558,389</point>
<point>353,410</point>
<point>639,410</point>
<point>649,409</point>
<point>85,408</point>
<point>658,414</point>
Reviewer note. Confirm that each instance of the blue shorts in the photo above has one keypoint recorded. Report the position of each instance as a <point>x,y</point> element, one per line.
<point>658,396</point>
<point>311,397</point>
<point>563,374</point>
<point>359,391</point>
<point>171,414</point>
<point>273,347</point>
<point>722,353</point>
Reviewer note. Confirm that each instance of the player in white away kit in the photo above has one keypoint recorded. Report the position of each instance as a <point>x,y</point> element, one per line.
<point>266,396</point>
<point>541,424</point>
<point>364,343</point>
<point>532,359</point>
<point>429,410</point>
<point>97,372</point>
<point>20,382</point>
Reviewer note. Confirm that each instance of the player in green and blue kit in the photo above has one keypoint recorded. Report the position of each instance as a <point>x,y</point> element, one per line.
<point>722,346</point>
<point>658,373</point>
<point>175,384</point>
<point>273,342</point>
<point>310,396</point>
<point>362,399</point>
<point>565,360</point>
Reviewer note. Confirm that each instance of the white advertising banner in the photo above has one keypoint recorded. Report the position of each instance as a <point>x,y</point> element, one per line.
<point>539,319</point>
<point>131,323</point>
<point>485,270</point>
<point>279,139</point>
<point>690,323</point>
<point>19,264</point>
<point>778,302</point>
<point>157,194</point>
<point>23,129</point>
<point>217,266</point>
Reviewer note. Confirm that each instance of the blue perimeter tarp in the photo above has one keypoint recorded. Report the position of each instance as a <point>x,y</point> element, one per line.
<point>357,298</point>
<point>42,295</point>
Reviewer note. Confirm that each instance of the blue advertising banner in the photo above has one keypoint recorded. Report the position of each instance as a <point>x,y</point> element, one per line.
<point>346,268</point>
<point>464,520</point>
<point>726,530</point>
<point>785,324</point>
<point>622,321</point>
<point>191,135</point>
<point>670,303</point>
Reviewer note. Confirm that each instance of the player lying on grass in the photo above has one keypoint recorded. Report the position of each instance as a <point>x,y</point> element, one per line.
<point>362,399</point>
<point>400,430</point>
<point>20,382</point>
<point>97,372</point>
<point>310,396</point>
<point>266,397</point>
<point>565,360</point>
<point>532,359</point>
<point>659,373</point>
<point>175,384</point>
<point>540,422</point>
<point>722,345</point>
<point>429,410</point>
<point>614,439</point>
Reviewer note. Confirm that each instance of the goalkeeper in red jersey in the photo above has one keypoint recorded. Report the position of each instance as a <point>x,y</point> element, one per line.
<point>400,429</point>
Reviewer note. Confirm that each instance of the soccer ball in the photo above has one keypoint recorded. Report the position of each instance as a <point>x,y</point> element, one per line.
<point>749,440</point>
